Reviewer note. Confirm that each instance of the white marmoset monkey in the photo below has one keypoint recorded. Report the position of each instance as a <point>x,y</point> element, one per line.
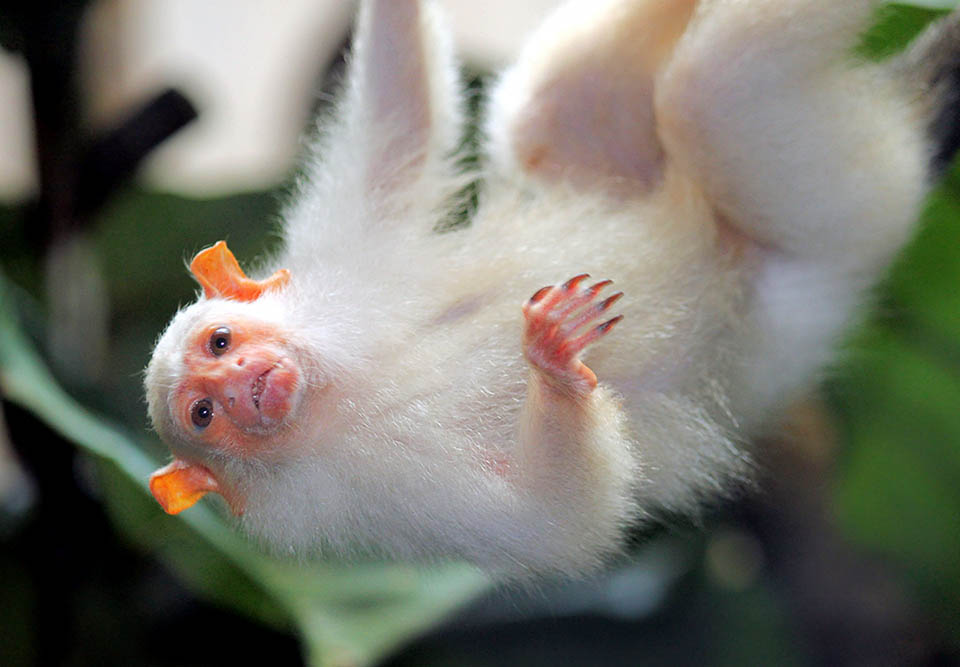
<point>727,164</point>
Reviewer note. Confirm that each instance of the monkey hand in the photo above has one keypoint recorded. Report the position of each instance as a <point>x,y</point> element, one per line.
<point>560,324</point>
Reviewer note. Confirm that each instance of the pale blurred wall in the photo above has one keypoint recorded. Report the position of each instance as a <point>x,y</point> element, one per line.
<point>250,66</point>
<point>18,166</point>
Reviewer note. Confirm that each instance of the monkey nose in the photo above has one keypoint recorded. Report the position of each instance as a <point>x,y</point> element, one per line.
<point>229,398</point>
<point>231,388</point>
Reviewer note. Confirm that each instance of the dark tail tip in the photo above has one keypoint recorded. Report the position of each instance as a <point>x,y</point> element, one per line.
<point>945,125</point>
<point>933,61</point>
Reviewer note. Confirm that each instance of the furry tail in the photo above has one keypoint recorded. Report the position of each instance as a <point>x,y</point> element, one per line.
<point>933,61</point>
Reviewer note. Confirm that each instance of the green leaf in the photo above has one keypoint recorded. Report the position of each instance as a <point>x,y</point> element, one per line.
<point>932,4</point>
<point>898,492</point>
<point>896,25</point>
<point>923,285</point>
<point>345,614</point>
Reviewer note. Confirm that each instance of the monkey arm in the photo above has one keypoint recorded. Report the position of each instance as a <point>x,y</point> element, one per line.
<point>573,465</point>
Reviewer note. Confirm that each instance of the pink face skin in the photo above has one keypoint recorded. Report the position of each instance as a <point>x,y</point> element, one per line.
<point>239,386</point>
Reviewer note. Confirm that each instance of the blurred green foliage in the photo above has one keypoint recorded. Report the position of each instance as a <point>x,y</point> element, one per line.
<point>898,396</point>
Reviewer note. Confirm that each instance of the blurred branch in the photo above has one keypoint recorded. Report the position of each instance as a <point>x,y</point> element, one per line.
<point>114,156</point>
<point>16,488</point>
<point>48,32</point>
<point>77,176</point>
<point>850,605</point>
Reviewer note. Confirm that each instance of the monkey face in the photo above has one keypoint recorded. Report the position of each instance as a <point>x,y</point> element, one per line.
<point>240,384</point>
<point>235,389</point>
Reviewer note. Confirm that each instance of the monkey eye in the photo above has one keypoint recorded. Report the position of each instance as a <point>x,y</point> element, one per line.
<point>220,341</point>
<point>202,413</point>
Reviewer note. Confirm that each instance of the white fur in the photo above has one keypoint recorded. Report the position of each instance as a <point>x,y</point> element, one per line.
<point>754,126</point>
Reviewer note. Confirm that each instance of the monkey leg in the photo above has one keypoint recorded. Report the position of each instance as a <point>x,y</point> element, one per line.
<point>802,149</point>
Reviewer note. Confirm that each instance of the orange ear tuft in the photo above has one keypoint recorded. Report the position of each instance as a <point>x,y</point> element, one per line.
<point>180,485</point>
<point>217,271</point>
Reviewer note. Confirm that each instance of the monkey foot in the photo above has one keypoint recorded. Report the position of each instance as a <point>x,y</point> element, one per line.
<point>560,323</point>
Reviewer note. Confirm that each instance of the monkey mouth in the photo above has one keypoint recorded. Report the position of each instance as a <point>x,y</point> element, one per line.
<point>272,393</point>
<point>256,390</point>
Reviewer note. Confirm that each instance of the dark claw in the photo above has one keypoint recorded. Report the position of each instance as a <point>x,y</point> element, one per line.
<point>539,294</point>
<point>596,289</point>
<point>609,324</point>
<point>609,301</point>
<point>573,282</point>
